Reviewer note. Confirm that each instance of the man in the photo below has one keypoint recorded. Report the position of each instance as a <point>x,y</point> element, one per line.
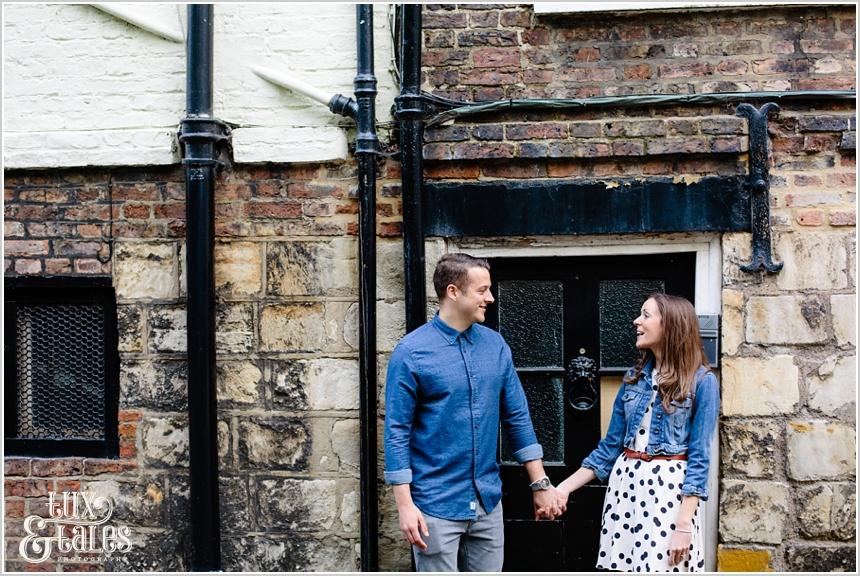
<point>449,384</point>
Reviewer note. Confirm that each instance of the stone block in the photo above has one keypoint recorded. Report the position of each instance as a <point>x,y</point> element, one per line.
<point>141,503</point>
<point>179,502</point>
<point>238,269</point>
<point>296,553</point>
<point>786,320</point>
<point>286,379</point>
<point>129,327</point>
<point>818,449</point>
<point>239,382</point>
<point>151,551</point>
<point>389,269</point>
<point>297,268</point>
<point>224,442</point>
<point>145,270</point>
<point>350,512</point>
<point>833,390</point>
<point>818,558</point>
<point>167,329</point>
<point>390,324</point>
<point>737,250</point>
<point>296,505</point>
<point>816,261</point>
<point>293,327</point>
<point>749,447</point>
<point>743,560</point>
<point>235,505</point>
<point>160,386</point>
<point>234,328</point>
<point>759,386</point>
<point>753,511</point>
<point>332,384</point>
<point>732,329</point>
<point>164,441</point>
<point>342,324</point>
<point>345,444</point>
<point>843,308</point>
<point>274,443</point>
<point>827,511</point>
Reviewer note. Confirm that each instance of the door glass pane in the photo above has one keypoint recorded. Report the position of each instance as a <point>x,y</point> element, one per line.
<point>620,302</point>
<point>545,395</point>
<point>530,320</point>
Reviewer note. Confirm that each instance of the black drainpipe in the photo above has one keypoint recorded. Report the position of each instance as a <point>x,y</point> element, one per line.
<point>366,150</point>
<point>409,111</point>
<point>200,134</point>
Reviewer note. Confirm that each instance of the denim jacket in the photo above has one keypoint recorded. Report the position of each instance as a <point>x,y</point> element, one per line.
<point>688,429</point>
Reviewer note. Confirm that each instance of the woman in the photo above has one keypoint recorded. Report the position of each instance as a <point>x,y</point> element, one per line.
<point>656,451</point>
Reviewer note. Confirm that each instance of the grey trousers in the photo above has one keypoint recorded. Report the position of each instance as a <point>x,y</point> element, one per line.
<point>463,545</point>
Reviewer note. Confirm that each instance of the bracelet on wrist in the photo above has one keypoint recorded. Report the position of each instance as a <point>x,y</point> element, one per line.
<point>683,531</point>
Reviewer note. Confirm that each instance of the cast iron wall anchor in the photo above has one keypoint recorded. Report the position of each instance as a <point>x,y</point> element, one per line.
<point>759,186</point>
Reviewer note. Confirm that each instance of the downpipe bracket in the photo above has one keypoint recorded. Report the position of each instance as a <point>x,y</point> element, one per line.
<point>201,140</point>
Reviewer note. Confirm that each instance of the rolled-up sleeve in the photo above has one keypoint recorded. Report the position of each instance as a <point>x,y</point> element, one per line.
<point>515,414</point>
<point>401,393</point>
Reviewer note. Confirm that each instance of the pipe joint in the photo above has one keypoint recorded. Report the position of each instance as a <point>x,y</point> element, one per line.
<point>343,105</point>
<point>409,107</point>
<point>200,138</point>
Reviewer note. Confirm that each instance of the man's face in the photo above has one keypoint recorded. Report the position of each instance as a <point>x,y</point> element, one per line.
<point>471,302</point>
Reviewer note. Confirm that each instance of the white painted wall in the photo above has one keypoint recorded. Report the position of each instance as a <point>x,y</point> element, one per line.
<point>83,87</point>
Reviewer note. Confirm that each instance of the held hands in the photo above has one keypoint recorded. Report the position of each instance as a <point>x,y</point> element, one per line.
<point>412,525</point>
<point>550,503</point>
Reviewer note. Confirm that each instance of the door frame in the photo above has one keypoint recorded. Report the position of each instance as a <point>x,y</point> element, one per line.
<point>708,282</point>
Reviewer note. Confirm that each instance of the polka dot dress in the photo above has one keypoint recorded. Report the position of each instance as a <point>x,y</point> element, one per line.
<point>639,513</point>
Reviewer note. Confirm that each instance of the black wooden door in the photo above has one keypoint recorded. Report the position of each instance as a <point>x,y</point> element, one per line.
<point>563,316</point>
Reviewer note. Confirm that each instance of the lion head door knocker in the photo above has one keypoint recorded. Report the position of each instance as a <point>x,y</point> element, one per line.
<point>581,377</point>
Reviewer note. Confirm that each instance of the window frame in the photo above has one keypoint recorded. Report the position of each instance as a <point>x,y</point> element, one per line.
<point>49,290</point>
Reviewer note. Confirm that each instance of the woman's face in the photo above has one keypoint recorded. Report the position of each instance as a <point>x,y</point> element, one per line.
<point>649,326</point>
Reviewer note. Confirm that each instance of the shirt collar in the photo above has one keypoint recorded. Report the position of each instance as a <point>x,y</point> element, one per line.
<point>451,334</point>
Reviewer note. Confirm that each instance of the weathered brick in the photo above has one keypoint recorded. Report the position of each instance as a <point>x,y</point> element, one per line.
<point>16,466</point>
<point>488,132</point>
<point>810,217</point>
<point>843,218</point>
<point>27,488</point>
<point>484,19</point>
<point>540,131</point>
<point>637,72</point>
<point>487,38</point>
<point>57,466</point>
<point>273,210</point>
<point>28,267</point>
<point>455,133</point>
<point>822,123</point>
<point>476,151</point>
<point>686,70</point>
<point>530,170</point>
<point>537,36</point>
<point>26,247</point>
<point>438,39</point>
<point>826,46</point>
<point>487,78</point>
<point>450,171</point>
<point>496,57</point>
<point>444,20</point>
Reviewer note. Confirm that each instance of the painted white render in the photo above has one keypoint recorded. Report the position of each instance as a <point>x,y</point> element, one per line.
<point>84,87</point>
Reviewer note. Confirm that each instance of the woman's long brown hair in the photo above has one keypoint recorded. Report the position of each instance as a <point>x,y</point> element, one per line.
<point>682,349</point>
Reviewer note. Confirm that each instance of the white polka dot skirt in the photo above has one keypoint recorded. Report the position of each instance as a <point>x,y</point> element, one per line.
<point>639,513</point>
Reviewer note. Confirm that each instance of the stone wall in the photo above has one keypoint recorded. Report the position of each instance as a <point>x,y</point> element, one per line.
<point>287,339</point>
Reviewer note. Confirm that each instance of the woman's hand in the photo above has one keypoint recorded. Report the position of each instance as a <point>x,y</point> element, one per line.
<point>679,547</point>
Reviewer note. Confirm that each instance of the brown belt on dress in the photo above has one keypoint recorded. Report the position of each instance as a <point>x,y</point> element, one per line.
<point>648,457</point>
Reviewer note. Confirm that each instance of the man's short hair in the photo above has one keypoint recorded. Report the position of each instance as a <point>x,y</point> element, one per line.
<point>453,269</point>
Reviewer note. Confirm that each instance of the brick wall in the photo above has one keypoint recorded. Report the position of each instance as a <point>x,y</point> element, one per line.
<point>287,338</point>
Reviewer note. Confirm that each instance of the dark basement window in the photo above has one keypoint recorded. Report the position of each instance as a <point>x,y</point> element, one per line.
<point>61,367</point>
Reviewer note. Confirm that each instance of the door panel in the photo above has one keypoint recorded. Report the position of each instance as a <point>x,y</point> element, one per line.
<point>559,316</point>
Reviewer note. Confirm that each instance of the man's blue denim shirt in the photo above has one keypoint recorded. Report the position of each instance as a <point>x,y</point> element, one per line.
<point>688,429</point>
<point>446,392</point>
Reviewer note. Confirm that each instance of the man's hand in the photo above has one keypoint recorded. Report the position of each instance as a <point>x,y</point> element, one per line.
<point>549,503</point>
<point>413,525</point>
